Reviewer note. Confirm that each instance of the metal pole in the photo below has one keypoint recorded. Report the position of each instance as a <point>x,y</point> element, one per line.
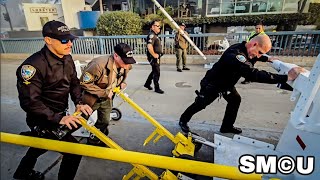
<point>179,29</point>
<point>101,7</point>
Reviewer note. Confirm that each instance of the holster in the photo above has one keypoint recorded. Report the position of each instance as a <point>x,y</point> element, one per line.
<point>89,99</point>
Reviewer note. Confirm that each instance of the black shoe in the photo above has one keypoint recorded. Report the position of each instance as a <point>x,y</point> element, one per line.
<point>148,87</point>
<point>179,70</point>
<point>185,68</point>
<point>184,127</point>
<point>33,175</point>
<point>158,90</point>
<point>96,143</point>
<point>233,130</point>
<point>245,82</point>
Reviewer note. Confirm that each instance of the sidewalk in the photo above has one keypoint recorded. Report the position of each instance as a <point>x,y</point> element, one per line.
<point>263,114</point>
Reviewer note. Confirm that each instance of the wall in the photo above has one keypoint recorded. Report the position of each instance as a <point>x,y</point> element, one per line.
<point>34,12</point>
<point>70,9</point>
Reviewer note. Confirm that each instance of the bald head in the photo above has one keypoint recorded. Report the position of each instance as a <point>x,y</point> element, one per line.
<point>258,45</point>
<point>263,41</point>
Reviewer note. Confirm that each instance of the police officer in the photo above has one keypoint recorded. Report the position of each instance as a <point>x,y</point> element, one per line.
<point>154,52</point>
<point>99,78</point>
<point>221,78</point>
<point>44,82</point>
<point>181,45</point>
<point>258,31</point>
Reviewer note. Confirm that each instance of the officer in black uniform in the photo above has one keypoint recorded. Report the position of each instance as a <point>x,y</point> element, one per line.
<point>154,52</point>
<point>44,82</point>
<point>221,78</point>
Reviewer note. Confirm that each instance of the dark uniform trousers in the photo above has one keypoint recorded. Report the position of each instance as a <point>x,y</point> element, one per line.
<point>206,96</point>
<point>155,73</point>
<point>69,164</point>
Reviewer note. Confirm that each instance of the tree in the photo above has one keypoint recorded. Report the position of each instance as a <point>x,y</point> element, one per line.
<point>119,23</point>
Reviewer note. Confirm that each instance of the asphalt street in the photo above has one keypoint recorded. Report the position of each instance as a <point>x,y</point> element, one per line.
<point>263,114</point>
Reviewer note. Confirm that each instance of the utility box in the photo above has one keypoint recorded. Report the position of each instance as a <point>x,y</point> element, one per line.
<point>88,19</point>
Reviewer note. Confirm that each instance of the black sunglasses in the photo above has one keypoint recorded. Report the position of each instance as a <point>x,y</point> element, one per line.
<point>65,41</point>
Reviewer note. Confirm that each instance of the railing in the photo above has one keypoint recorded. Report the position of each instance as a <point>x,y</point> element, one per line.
<point>289,43</point>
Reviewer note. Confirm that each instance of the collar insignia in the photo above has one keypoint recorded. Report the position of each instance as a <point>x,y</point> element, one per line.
<point>27,72</point>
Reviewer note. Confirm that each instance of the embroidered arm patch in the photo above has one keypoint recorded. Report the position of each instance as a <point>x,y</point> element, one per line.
<point>87,78</point>
<point>27,72</point>
<point>241,58</point>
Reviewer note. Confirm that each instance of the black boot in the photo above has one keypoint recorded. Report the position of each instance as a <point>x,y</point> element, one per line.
<point>32,175</point>
<point>148,86</point>
<point>158,90</point>
<point>93,140</point>
<point>184,126</point>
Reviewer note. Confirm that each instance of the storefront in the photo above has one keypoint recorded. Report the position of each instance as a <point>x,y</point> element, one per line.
<point>243,7</point>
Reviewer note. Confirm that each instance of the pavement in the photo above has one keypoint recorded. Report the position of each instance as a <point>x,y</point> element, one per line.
<point>263,114</point>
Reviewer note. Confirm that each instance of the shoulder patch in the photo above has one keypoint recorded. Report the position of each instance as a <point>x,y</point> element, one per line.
<point>151,36</point>
<point>241,58</point>
<point>27,72</point>
<point>87,78</point>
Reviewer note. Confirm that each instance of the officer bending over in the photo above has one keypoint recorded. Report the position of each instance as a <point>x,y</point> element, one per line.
<point>99,78</point>
<point>44,82</point>
<point>221,78</point>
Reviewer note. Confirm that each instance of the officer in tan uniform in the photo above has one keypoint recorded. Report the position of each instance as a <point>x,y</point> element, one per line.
<point>181,45</point>
<point>99,78</point>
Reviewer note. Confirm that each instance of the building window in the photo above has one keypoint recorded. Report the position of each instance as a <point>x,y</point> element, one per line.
<point>227,7</point>
<point>290,6</point>
<point>213,7</point>
<point>242,6</point>
<point>233,7</point>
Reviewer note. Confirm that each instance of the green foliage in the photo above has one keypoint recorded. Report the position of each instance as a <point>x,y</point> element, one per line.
<point>270,19</point>
<point>314,9</point>
<point>119,23</point>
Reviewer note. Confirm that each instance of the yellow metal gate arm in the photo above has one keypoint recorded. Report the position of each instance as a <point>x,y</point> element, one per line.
<point>181,165</point>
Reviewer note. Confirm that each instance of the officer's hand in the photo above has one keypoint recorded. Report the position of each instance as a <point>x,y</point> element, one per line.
<point>86,109</point>
<point>123,85</point>
<point>110,95</point>
<point>272,58</point>
<point>70,120</point>
<point>157,56</point>
<point>294,73</point>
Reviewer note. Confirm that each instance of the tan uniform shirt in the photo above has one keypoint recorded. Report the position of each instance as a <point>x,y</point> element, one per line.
<point>101,75</point>
<point>180,41</point>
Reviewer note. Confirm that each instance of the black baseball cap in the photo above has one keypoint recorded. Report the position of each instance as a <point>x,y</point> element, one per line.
<point>182,24</point>
<point>57,30</point>
<point>125,52</point>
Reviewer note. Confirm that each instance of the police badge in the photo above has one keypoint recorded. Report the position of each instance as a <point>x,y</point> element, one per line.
<point>27,72</point>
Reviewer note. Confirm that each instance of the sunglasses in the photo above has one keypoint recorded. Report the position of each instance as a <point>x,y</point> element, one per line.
<point>157,26</point>
<point>65,41</point>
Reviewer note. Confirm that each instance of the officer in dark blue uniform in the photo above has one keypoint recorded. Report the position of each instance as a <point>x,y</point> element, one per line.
<point>154,52</point>
<point>220,81</point>
<point>44,82</point>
